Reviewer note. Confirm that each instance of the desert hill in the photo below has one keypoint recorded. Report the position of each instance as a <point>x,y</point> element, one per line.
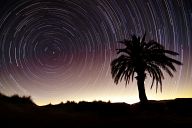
<point>23,112</point>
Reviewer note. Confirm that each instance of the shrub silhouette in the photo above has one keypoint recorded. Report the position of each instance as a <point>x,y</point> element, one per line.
<point>142,57</point>
<point>21,100</point>
<point>15,99</point>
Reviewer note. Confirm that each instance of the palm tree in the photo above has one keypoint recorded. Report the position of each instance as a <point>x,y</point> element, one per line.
<point>142,57</point>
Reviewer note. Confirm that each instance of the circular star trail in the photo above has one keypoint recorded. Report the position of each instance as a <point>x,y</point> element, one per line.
<point>62,49</point>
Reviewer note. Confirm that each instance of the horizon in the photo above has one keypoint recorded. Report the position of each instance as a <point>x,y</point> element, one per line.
<point>120,99</point>
<point>57,51</point>
<point>90,101</point>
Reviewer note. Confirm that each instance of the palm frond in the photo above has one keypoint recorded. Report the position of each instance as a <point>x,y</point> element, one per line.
<point>171,52</point>
<point>125,50</point>
<point>121,67</point>
<point>173,61</point>
<point>153,45</point>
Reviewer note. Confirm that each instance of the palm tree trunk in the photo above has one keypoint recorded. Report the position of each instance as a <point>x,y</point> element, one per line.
<point>141,88</point>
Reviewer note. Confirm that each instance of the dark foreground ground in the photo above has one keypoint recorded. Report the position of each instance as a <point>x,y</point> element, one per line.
<point>22,112</point>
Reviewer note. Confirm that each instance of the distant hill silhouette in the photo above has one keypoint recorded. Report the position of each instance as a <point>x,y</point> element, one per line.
<point>22,112</point>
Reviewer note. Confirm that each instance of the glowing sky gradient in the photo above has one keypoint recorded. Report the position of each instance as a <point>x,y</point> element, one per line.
<point>59,50</point>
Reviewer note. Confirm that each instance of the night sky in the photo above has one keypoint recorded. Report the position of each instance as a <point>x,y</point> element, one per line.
<point>59,50</point>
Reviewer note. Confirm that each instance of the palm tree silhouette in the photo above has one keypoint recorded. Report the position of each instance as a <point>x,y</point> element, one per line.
<point>142,57</point>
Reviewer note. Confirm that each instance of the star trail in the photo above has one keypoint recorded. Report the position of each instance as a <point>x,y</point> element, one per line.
<point>59,50</point>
